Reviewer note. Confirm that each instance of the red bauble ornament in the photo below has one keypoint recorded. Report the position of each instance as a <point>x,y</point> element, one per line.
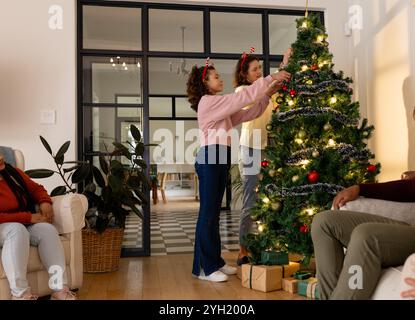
<point>293,93</point>
<point>285,88</point>
<point>314,67</point>
<point>313,176</point>
<point>304,228</point>
<point>371,168</point>
<point>264,164</point>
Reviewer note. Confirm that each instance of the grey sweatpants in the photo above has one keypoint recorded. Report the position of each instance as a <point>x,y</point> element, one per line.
<point>249,168</point>
<point>15,241</point>
<point>372,243</point>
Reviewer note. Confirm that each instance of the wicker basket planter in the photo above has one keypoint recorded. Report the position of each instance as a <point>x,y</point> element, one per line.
<point>102,252</point>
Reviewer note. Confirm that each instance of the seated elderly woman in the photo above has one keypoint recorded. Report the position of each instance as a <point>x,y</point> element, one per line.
<point>21,225</point>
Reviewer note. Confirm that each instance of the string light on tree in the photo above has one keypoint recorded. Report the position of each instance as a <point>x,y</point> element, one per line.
<point>295,179</point>
<point>331,143</point>
<point>327,127</point>
<point>290,103</point>
<point>304,68</point>
<point>320,39</point>
<point>310,212</point>
<point>266,200</point>
<point>333,100</point>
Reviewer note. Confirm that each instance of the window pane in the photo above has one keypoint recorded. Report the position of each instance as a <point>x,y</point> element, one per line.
<point>169,76</point>
<point>111,28</point>
<point>176,30</point>
<point>282,33</point>
<point>112,80</point>
<point>236,32</point>
<point>161,107</point>
<point>183,108</point>
<point>103,126</point>
<point>274,65</point>
<point>177,141</point>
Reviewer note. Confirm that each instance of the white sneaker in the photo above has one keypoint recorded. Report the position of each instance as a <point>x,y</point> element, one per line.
<point>228,270</point>
<point>216,276</point>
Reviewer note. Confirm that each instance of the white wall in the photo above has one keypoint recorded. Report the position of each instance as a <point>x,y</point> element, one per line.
<point>383,58</point>
<point>38,71</point>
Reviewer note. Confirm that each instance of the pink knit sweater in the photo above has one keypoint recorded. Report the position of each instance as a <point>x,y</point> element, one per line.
<point>217,115</point>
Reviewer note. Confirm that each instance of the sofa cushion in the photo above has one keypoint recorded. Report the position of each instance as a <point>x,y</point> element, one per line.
<point>389,285</point>
<point>35,264</point>
<point>400,211</point>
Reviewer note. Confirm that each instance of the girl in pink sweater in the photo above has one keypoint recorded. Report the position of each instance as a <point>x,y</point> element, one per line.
<point>217,115</point>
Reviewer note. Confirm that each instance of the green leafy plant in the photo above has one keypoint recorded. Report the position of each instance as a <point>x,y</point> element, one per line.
<point>114,191</point>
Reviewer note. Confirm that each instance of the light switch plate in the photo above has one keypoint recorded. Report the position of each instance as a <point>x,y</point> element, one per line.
<point>48,116</point>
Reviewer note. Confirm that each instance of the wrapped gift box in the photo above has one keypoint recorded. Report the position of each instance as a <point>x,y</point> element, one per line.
<point>272,258</point>
<point>262,278</point>
<point>308,288</point>
<point>267,278</point>
<point>239,272</point>
<point>290,285</point>
<point>289,269</point>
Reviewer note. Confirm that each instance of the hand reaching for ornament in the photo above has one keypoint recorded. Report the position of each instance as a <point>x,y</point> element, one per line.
<point>279,78</point>
<point>346,195</point>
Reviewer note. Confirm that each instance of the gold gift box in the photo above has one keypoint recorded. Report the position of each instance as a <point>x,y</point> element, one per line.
<point>262,278</point>
<point>290,285</point>
<point>266,278</point>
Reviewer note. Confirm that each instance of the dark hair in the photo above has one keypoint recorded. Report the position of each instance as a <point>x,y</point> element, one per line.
<point>17,185</point>
<point>196,88</point>
<point>239,77</point>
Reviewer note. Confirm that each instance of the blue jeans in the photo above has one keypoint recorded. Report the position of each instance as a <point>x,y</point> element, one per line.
<point>212,183</point>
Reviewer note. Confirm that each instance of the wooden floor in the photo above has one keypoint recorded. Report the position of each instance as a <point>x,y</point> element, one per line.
<point>168,277</point>
<point>174,204</point>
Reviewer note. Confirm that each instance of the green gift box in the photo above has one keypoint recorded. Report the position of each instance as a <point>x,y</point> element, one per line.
<point>302,275</point>
<point>308,288</point>
<point>272,258</point>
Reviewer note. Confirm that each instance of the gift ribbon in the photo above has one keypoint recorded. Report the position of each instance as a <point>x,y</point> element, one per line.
<point>302,275</point>
<point>250,276</point>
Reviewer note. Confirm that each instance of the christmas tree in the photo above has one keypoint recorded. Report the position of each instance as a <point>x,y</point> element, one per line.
<point>317,147</point>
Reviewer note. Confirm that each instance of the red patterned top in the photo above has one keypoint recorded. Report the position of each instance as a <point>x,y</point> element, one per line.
<point>8,203</point>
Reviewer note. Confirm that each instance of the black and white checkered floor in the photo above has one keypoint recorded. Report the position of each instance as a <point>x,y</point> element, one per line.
<point>174,232</point>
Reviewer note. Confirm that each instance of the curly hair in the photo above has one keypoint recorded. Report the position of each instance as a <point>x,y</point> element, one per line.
<point>240,75</point>
<point>196,88</point>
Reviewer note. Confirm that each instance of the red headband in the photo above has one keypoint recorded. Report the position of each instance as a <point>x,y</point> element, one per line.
<point>244,56</point>
<point>205,69</point>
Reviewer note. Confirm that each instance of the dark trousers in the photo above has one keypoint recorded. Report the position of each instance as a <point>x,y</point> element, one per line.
<point>212,183</point>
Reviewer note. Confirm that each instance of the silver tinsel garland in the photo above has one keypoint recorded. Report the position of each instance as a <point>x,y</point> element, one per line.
<point>347,152</point>
<point>312,112</point>
<point>298,156</point>
<point>305,190</point>
<point>313,90</point>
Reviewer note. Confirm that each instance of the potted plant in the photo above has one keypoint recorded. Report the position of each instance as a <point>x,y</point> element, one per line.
<point>113,191</point>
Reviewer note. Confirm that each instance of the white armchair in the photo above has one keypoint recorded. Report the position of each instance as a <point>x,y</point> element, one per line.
<point>69,214</point>
<point>391,280</point>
